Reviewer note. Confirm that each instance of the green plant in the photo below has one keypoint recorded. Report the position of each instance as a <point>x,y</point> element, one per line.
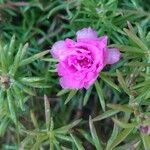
<point>109,115</point>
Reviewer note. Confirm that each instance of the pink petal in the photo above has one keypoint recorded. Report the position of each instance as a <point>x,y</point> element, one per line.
<point>57,49</point>
<point>96,51</point>
<point>61,69</point>
<point>91,78</point>
<point>70,43</point>
<point>103,40</point>
<point>86,34</point>
<point>68,82</point>
<point>113,55</point>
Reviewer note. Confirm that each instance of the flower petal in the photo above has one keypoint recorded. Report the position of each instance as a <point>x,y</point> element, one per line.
<point>103,41</point>
<point>61,69</point>
<point>91,78</point>
<point>57,49</point>
<point>86,34</point>
<point>113,55</point>
<point>67,82</point>
<point>69,42</point>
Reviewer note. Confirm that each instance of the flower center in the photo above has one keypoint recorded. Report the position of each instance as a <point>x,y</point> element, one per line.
<point>81,62</point>
<point>85,62</point>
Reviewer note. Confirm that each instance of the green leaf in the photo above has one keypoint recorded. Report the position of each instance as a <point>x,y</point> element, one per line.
<point>3,126</point>
<point>34,120</point>
<point>11,105</point>
<point>133,37</point>
<point>57,145</point>
<point>47,112</point>
<point>64,137</point>
<point>146,122</point>
<point>19,96</point>
<point>109,82</point>
<point>86,135</point>
<point>37,84</point>
<point>119,107</point>
<point>94,135</point>
<point>100,94</point>
<point>70,96</point>
<point>105,115</point>
<point>129,49</point>
<point>26,141</point>
<point>138,64</point>
<point>50,60</point>
<point>52,70</point>
<point>25,88</point>
<point>124,124</point>
<point>23,51</point>
<point>36,145</point>
<point>112,137</point>
<point>11,47</point>
<point>31,79</point>
<point>146,141</point>
<point>51,124</point>
<point>66,128</point>
<point>33,58</point>
<point>132,144</point>
<point>77,142</point>
<point>2,98</point>
<point>122,82</point>
<point>62,92</point>
<point>3,59</point>
<point>120,137</point>
<point>55,9</point>
<point>17,60</point>
<point>87,95</point>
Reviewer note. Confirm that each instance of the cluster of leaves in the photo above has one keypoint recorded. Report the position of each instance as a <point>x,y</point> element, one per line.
<point>36,114</point>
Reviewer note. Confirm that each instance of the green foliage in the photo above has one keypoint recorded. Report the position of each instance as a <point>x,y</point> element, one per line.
<point>49,136</point>
<point>35,113</point>
<point>16,82</point>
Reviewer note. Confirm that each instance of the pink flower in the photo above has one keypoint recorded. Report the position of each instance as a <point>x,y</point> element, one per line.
<point>81,61</point>
<point>145,129</point>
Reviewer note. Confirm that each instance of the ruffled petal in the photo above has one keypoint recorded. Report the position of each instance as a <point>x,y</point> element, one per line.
<point>57,49</point>
<point>86,34</point>
<point>69,42</point>
<point>113,55</point>
<point>67,82</point>
<point>91,78</point>
<point>96,52</point>
<point>103,41</point>
<point>61,69</point>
